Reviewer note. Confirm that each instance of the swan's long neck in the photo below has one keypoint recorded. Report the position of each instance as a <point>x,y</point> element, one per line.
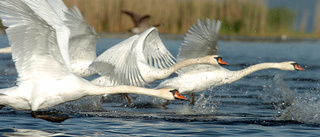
<point>236,75</point>
<point>100,90</point>
<point>184,63</point>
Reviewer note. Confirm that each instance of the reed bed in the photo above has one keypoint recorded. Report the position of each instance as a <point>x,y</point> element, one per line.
<point>239,17</point>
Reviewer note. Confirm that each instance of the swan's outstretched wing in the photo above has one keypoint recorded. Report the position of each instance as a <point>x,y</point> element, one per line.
<point>83,38</point>
<point>45,11</point>
<point>34,42</point>
<point>81,31</point>
<point>155,53</point>
<point>120,63</point>
<point>201,40</point>
<point>146,48</point>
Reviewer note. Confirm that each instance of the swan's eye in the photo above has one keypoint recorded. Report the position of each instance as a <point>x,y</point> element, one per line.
<point>174,91</point>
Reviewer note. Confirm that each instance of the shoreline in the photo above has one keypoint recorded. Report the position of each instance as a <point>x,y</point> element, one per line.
<point>221,37</point>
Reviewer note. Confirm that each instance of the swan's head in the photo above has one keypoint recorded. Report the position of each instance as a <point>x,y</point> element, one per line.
<point>172,94</point>
<point>290,65</point>
<point>215,59</point>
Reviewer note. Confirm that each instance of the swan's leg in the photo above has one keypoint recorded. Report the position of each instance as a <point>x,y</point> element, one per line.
<point>127,98</point>
<point>49,118</point>
<point>192,98</point>
<point>1,106</point>
<point>166,103</point>
<point>101,101</point>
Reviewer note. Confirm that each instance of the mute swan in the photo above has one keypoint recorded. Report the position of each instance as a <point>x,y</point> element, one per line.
<point>153,64</point>
<point>201,41</point>
<point>141,59</point>
<point>141,23</point>
<point>83,41</point>
<point>40,51</point>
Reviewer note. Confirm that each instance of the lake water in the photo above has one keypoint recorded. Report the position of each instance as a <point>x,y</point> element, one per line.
<point>265,103</point>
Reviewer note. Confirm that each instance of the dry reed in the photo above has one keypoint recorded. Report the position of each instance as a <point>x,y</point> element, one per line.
<point>239,17</point>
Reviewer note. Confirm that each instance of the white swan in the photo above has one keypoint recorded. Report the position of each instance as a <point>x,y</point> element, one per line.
<point>82,46</point>
<point>144,56</point>
<point>201,41</point>
<point>40,51</point>
<point>140,60</point>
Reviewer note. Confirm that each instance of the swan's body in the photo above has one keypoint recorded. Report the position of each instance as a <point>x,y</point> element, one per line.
<point>203,40</point>
<point>39,41</point>
<point>212,76</point>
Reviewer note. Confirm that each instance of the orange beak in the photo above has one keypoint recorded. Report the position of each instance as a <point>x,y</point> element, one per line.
<point>221,62</point>
<point>177,95</point>
<point>297,67</point>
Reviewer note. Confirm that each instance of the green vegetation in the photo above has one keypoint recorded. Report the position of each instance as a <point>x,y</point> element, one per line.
<point>281,19</point>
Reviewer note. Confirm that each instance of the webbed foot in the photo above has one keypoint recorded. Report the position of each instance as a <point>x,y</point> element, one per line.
<point>192,99</point>
<point>49,118</point>
<point>128,99</point>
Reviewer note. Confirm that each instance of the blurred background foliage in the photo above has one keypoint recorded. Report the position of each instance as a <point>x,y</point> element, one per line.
<point>239,17</point>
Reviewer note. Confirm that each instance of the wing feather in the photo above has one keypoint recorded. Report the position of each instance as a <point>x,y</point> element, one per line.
<point>120,63</point>
<point>34,44</point>
<point>83,37</point>
<point>47,13</point>
<point>145,48</point>
<point>83,40</point>
<point>201,40</point>
<point>155,52</point>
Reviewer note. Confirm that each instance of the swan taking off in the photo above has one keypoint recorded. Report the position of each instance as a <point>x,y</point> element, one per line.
<point>39,41</point>
<point>82,51</point>
<point>201,41</point>
<point>140,60</point>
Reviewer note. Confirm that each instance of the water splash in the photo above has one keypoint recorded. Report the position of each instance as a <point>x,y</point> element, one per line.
<point>291,104</point>
<point>85,104</point>
<point>278,93</point>
<point>306,110</point>
<point>203,105</point>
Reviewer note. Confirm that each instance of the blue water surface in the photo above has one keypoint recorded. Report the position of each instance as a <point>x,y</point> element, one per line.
<point>265,103</point>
